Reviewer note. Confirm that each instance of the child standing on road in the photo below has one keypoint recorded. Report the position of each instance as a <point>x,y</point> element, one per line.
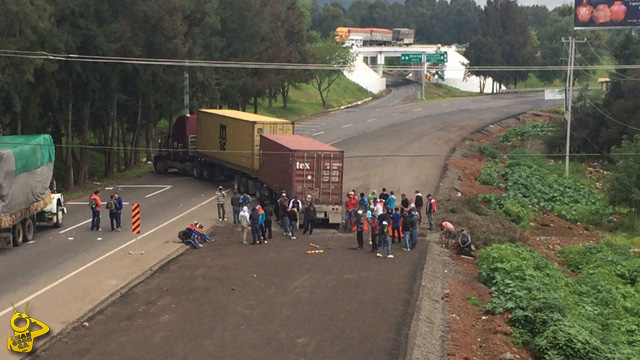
<point>384,240</point>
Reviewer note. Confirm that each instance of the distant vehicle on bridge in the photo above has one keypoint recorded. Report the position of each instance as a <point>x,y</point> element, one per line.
<point>375,37</point>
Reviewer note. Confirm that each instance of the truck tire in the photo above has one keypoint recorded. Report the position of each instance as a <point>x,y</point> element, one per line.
<point>29,228</point>
<point>160,166</point>
<point>208,173</point>
<point>17,234</point>
<point>59,216</point>
<point>197,171</point>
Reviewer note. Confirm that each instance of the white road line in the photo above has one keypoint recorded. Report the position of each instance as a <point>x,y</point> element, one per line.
<point>416,110</point>
<point>331,143</point>
<point>319,133</point>
<point>443,105</point>
<point>346,126</point>
<point>142,186</point>
<point>66,277</point>
<point>73,227</point>
<point>374,119</point>
<point>395,114</point>
<point>307,126</point>
<point>158,192</point>
<point>320,123</point>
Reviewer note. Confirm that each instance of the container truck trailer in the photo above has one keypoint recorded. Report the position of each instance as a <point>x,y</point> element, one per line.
<point>26,170</point>
<point>225,144</point>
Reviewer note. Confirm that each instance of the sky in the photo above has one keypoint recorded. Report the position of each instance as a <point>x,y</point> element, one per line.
<point>548,3</point>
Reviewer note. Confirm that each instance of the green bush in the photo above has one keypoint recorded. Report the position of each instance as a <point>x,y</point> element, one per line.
<point>488,151</point>
<point>531,189</point>
<point>594,315</point>
<point>527,130</point>
<point>490,176</point>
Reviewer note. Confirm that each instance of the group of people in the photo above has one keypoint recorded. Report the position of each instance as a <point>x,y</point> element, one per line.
<point>386,220</point>
<point>114,206</point>
<point>195,235</point>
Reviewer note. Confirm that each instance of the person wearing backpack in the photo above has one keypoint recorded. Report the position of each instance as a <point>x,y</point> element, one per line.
<point>112,206</point>
<point>94,205</point>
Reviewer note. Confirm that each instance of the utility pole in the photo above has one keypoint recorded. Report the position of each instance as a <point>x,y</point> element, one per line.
<point>424,73</point>
<point>186,91</point>
<point>568,98</point>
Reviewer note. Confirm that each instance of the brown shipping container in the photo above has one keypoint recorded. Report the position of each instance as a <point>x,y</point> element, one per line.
<point>298,164</point>
<point>232,138</point>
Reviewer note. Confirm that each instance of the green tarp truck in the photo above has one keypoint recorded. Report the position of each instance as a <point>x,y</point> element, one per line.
<point>26,171</point>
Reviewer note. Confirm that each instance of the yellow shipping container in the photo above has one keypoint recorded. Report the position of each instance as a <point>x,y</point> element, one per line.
<point>232,137</point>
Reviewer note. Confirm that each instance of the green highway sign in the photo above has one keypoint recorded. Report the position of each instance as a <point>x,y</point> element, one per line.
<point>411,58</point>
<point>437,58</point>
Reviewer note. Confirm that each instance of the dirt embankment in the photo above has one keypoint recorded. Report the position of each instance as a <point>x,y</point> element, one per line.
<point>474,334</point>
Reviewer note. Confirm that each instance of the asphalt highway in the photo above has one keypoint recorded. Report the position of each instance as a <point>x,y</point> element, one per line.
<point>393,142</point>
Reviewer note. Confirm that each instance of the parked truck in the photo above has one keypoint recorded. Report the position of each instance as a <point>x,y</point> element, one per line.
<point>261,154</point>
<point>26,171</point>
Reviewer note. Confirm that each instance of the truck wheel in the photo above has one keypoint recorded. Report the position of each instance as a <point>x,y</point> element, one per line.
<point>160,166</point>
<point>59,216</point>
<point>18,234</point>
<point>197,171</point>
<point>29,229</point>
<point>208,173</point>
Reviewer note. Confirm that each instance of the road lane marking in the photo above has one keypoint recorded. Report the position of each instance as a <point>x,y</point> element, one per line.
<point>374,119</point>
<point>333,142</point>
<point>158,192</point>
<point>73,227</point>
<point>416,110</point>
<point>346,126</point>
<point>395,114</point>
<point>318,133</point>
<point>443,105</point>
<point>75,272</point>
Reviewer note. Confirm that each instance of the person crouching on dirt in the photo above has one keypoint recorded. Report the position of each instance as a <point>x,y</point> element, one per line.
<point>383,240</point>
<point>464,242</point>
<point>446,234</point>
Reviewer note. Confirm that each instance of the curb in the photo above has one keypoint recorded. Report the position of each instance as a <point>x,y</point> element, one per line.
<point>350,105</point>
<point>110,299</point>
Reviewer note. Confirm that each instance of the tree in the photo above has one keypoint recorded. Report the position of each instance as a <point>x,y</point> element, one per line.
<point>624,182</point>
<point>328,52</point>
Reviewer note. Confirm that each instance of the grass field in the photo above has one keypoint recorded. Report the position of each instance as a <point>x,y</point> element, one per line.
<point>305,100</point>
<point>441,91</point>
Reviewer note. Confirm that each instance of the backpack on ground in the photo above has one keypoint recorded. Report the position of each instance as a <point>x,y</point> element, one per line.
<point>93,203</point>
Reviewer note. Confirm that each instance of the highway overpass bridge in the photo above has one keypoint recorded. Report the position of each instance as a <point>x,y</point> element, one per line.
<point>369,73</point>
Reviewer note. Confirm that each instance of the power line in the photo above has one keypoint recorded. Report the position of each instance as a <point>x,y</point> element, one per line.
<point>349,156</point>
<point>42,55</point>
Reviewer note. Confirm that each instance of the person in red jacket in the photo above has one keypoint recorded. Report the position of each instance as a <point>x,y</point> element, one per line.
<point>351,206</point>
<point>431,208</point>
<point>94,204</point>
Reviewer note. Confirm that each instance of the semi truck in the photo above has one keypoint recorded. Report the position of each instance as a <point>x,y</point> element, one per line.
<point>26,171</point>
<point>261,154</point>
